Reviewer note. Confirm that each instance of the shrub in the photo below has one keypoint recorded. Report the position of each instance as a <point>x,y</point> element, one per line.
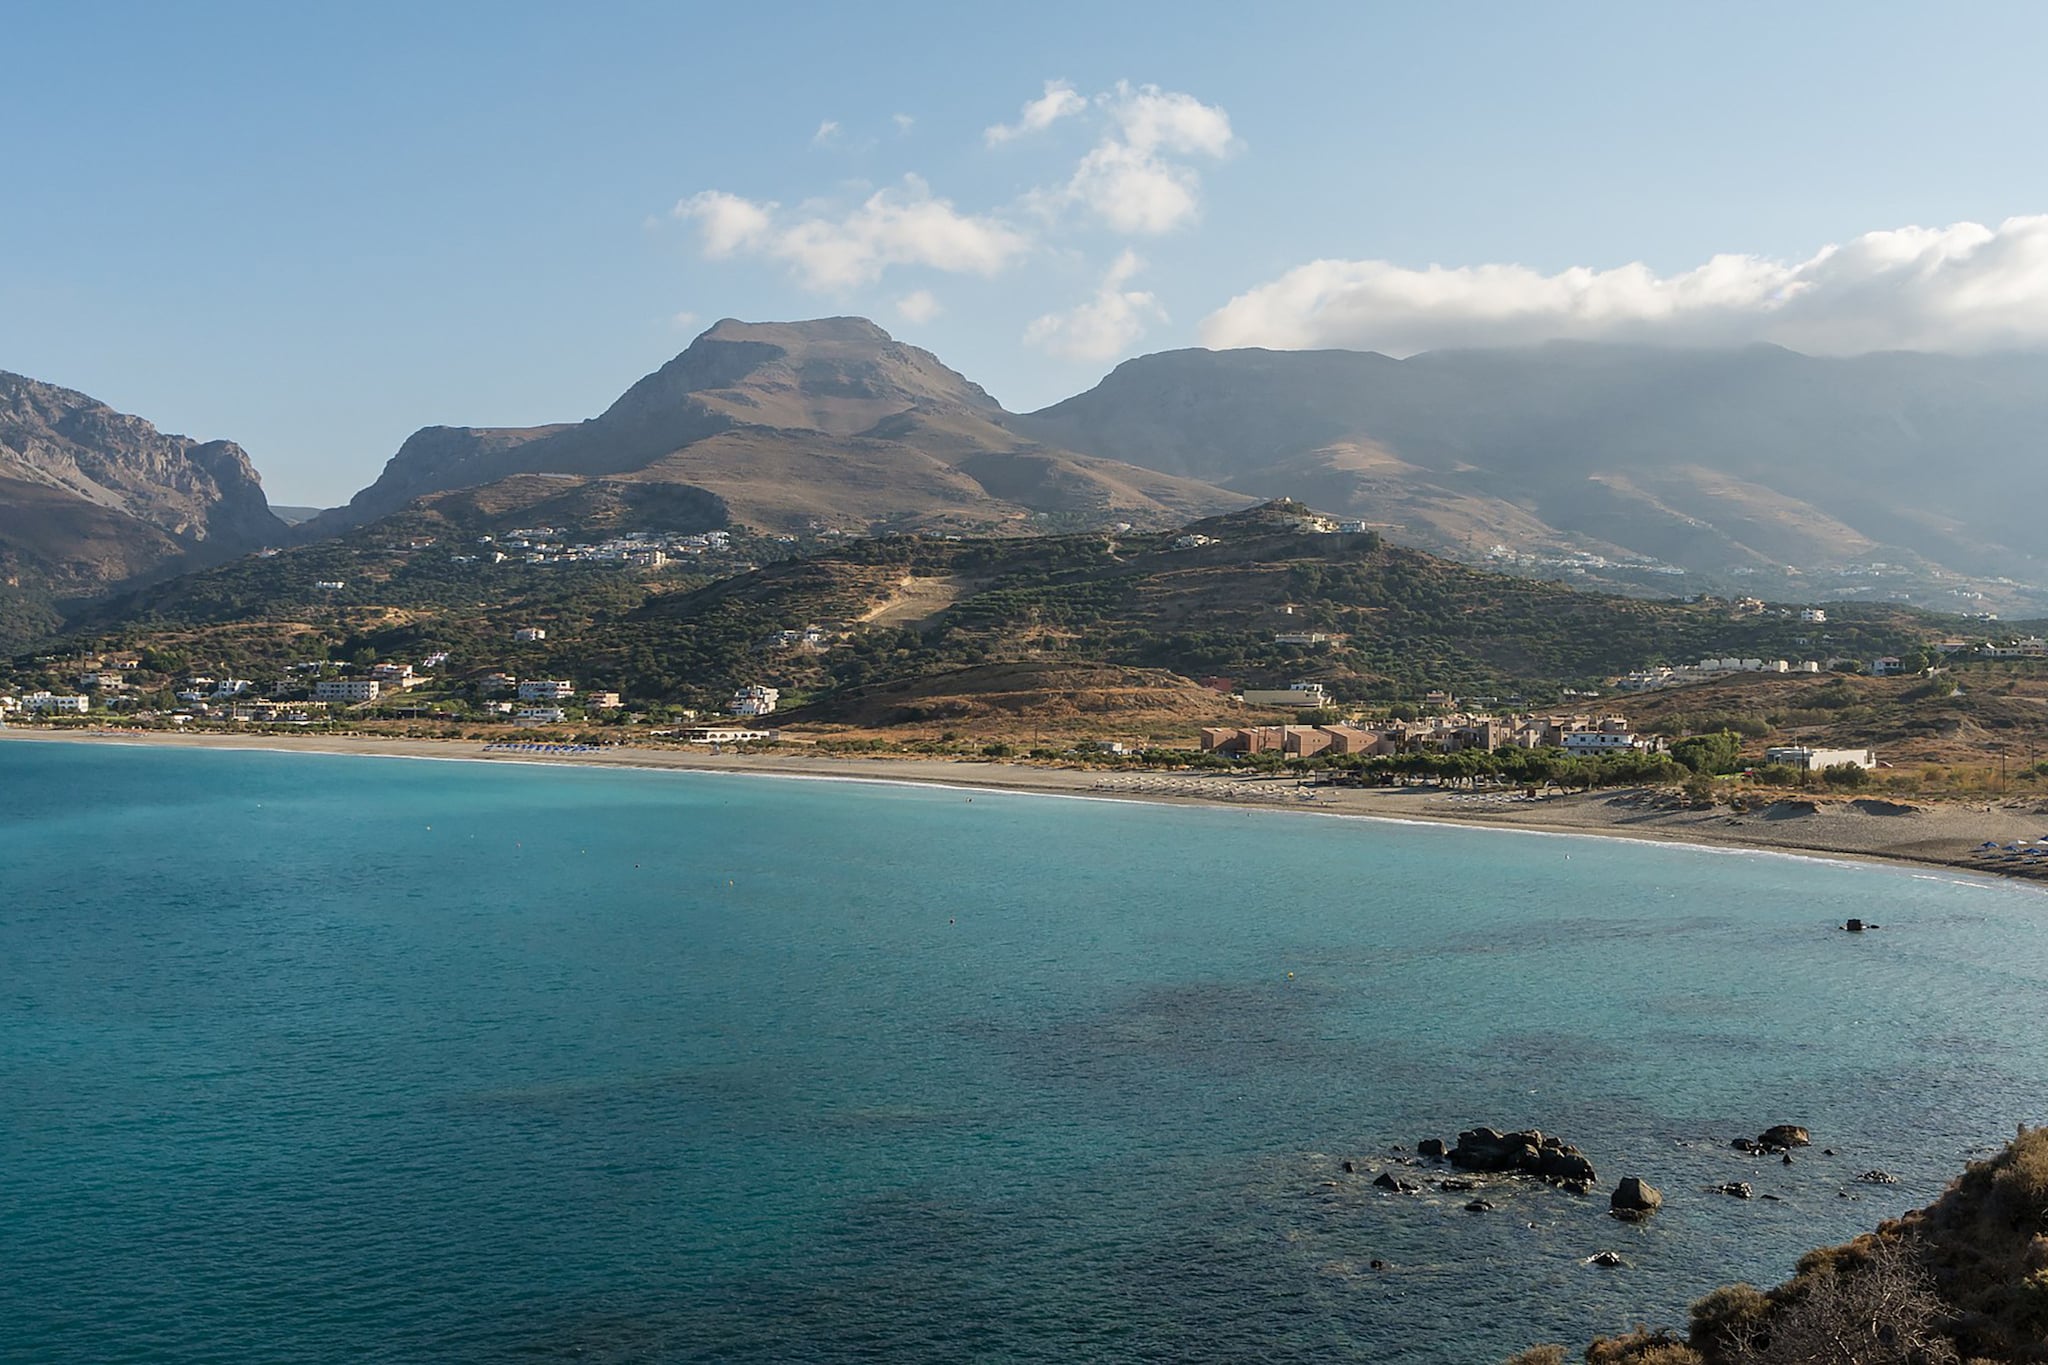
<point>1642,1347</point>
<point>1537,1355</point>
<point>1848,775</point>
<point>1728,1315</point>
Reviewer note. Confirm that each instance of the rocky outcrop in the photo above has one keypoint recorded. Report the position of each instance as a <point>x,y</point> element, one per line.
<point>1778,1138</point>
<point>1529,1152</point>
<point>1635,1198</point>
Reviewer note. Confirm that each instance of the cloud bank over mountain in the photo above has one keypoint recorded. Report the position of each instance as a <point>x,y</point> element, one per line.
<point>1961,288</point>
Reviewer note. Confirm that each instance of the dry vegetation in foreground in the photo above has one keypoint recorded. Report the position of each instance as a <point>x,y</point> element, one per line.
<point>1963,1281</point>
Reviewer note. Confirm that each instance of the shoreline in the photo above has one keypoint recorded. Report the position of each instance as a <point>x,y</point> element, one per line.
<point>1942,835</point>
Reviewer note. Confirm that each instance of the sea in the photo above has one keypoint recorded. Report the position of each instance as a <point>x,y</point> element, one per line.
<point>340,1058</point>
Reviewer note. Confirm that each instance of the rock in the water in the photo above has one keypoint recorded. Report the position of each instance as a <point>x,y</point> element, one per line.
<point>1634,1198</point>
<point>1743,1145</point>
<point>1563,1163</point>
<point>1576,1186</point>
<point>1784,1135</point>
<point>1605,1258</point>
<point>1739,1188</point>
<point>1878,1178</point>
<point>1451,1182</point>
<point>1431,1147</point>
<point>1479,1206</point>
<point>1350,1168</point>
<point>1387,1181</point>
<point>1485,1149</point>
<point>1530,1152</point>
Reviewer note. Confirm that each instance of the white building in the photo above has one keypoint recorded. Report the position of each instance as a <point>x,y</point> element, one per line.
<point>547,689</point>
<point>1303,695</point>
<point>230,687</point>
<point>602,701</point>
<point>1813,760</point>
<point>538,715</point>
<point>56,705</point>
<point>347,689</point>
<point>1814,616</point>
<point>754,700</point>
<point>331,584</point>
<point>393,675</point>
<point>727,734</point>
<point>1596,742</point>
<point>527,635</point>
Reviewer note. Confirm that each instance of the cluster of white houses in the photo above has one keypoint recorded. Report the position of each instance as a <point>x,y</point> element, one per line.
<point>1581,734</point>
<point>1650,679</point>
<point>554,545</point>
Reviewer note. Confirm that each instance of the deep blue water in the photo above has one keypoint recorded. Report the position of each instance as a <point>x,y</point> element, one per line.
<point>321,1059</point>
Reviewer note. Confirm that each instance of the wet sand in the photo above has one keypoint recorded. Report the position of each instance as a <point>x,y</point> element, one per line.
<point>1938,833</point>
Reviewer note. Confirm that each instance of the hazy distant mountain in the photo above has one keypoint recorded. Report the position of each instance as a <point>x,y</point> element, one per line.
<point>800,425</point>
<point>91,497</point>
<point>1722,462</point>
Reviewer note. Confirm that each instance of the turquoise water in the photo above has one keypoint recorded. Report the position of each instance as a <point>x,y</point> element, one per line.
<point>320,1059</point>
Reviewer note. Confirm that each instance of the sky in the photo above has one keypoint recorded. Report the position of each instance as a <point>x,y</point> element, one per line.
<point>313,230</point>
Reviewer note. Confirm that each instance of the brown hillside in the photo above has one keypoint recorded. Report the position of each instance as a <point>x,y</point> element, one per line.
<point>1004,698</point>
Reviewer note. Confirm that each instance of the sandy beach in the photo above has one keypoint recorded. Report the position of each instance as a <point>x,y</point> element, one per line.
<point>1944,834</point>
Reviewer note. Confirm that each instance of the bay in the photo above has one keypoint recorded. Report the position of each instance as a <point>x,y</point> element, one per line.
<point>318,1058</point>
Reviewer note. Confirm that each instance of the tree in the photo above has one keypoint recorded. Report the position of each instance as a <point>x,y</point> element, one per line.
<point>1709,754</point>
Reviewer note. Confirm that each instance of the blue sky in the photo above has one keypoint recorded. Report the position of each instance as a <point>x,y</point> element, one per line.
<point>313,231</point>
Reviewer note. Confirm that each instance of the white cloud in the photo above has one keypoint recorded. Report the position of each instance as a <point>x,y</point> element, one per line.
<point>828,131</point>
<point>904,122</point>
<point>1059,101</point>
<point>1153,119</point>
<point>728,223</point>
<point>918,306</point>
<point>1107,325</point>
<point>905,225</point>
<point>1966,287</point>
<point>682,321</point>
<point>1132,178</point>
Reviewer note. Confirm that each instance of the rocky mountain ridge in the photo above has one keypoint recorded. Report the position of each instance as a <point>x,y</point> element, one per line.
<point>1799,472</point>
<point>91,497</point>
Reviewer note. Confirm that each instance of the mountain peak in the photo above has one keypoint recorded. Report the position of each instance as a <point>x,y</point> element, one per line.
<point>812,331</point>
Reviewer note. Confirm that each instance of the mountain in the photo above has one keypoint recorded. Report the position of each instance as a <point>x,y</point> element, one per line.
<point>800,426</point>
<point>1730,464</point>
<point>91,498</point>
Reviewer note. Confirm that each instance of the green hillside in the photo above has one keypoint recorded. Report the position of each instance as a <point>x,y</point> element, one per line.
<point>1206,602</point>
